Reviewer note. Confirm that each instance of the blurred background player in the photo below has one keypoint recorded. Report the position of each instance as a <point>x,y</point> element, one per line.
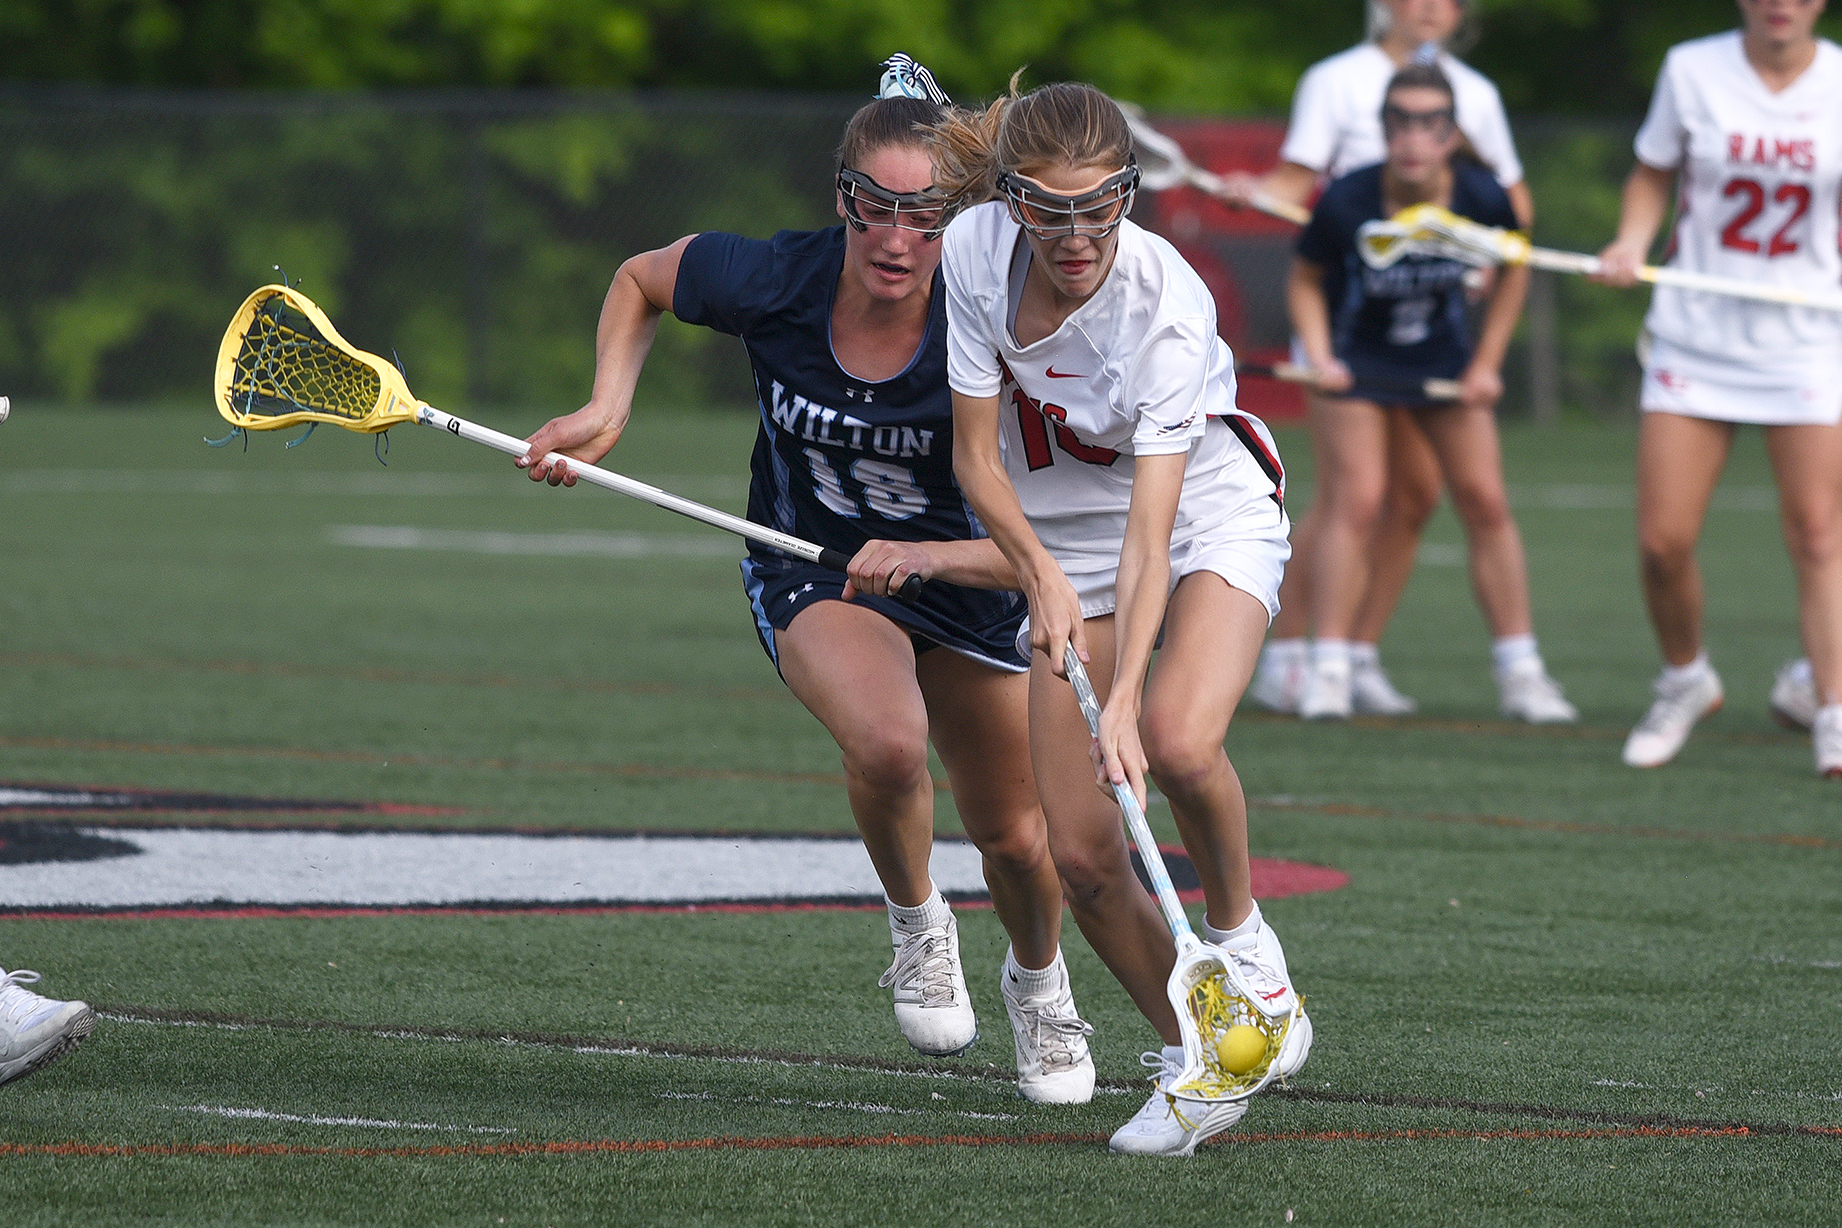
<point>1374,333</point>
<point>36,1031</point>
<point>1098,440</point>
<point>1747,126</point>
<point>846,330</point>
<point>1335,128</point>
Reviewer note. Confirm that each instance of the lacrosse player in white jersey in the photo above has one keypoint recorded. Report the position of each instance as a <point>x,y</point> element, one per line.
<point>1335,128</point>
<point>1096,436</point>
<point>36,1031</point>
<point>1746,127</point>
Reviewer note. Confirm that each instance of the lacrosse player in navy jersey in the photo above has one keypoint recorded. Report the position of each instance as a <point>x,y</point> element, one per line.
<point>1371,332</point>
<point>846,331</point>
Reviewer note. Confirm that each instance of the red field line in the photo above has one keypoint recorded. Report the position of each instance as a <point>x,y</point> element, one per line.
<point>572,1147</point>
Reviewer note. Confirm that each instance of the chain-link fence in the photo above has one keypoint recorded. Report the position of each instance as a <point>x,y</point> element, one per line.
<point>475,235</point>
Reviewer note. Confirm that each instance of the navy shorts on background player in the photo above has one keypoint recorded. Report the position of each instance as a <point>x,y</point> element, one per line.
<point>1398,326</point>
<point>838,460</point>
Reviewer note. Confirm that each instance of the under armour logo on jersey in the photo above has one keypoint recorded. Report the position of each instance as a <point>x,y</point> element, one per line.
<point>867,394</point>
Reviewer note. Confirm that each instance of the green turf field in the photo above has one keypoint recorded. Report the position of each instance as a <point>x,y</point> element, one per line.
<point>1556,990</point>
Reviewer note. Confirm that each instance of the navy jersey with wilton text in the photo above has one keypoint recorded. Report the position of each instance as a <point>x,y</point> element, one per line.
<point>838,460</point>
<point>1406,323</point>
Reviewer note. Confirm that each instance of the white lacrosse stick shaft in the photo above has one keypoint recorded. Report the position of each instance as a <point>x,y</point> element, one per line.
<point>511,445</point>
<point>1163,164</point>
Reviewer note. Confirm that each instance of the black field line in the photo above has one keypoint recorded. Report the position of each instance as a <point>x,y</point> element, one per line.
<point>989,1073</point>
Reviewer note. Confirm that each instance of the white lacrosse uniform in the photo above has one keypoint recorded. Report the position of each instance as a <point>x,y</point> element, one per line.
<point>1336,115</point>
<point>1758,179</point>
<point>1136,370</point>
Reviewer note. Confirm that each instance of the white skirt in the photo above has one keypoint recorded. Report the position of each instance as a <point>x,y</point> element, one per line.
<point>1678,380</point>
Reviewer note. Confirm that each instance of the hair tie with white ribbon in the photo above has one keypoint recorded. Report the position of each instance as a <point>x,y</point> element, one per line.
<point>903,78</point>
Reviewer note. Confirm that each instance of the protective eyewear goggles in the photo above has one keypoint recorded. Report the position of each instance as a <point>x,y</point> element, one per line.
<point>1095,213</point>
<point>868,203</point>
<point>1438,124</point>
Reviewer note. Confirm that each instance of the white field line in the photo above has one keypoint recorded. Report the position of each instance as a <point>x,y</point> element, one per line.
<point>583,543</point>
<point>371,481</point>
<point>951,1076</point>
<point>850,1106</point>
<point>1709,1089</point>
<point>364,1123</point>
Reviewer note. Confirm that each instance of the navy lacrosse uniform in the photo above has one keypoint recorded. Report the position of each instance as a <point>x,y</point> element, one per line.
<point>1397,327</point>
<point>838,460</point>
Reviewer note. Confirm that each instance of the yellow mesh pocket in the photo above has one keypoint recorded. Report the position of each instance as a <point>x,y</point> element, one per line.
<point>1216,1008</point>
<point>284,366</point>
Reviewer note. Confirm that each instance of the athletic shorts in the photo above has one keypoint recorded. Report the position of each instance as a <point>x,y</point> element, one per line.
<point>1243,539</point>
<point>979,624</point>
<point>1683,381</point>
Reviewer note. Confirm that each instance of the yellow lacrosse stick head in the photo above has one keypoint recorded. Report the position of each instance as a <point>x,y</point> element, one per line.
<point>282,363</point>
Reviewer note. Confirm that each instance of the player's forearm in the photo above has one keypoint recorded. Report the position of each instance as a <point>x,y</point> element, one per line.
<point>975,563</point>
<point>1143,584</point>
<point>1643,206</point>
<point>1310,313</point>
<point>1505,308</point>
<point>623,338</point>
<point>1290,183</point>
<point>978,468</point>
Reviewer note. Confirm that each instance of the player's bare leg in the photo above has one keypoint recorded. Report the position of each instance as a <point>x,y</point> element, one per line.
<point>1354,450</point>
<point>1807,460</point>
<point>1465,440</point>
<point>979,718</point>
<point>1414,488</point>
<point>1279,679</point>
<point>1211,634</point>
<point>855,671</point>
<point>1679,461</point>
<point>1114,911</point>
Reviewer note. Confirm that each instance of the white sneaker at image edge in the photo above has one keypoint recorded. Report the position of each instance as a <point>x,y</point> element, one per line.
<point>36,1031</point>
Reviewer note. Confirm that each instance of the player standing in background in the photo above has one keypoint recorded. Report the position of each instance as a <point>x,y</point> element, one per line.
<point>1372,332</point>
<point>846,330</point>
<point>1097,438</point>
<point>1336,128</point>
<point>1747,127</point>
<point>36,1031</point>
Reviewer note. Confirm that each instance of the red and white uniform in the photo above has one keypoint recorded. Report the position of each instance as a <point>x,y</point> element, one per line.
<point>1336,115</point>
<point>1137,370</point>
<point>1758,179</point>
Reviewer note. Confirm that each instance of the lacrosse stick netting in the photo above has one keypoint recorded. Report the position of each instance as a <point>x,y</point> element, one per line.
<point>282,362</point>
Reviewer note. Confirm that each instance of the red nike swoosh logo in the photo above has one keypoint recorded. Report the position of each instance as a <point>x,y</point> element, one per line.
<point>1268,997</point>
<point>1052,373</point>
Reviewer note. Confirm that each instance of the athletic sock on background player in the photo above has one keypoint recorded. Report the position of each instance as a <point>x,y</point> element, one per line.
<point>1509,651</point>
<point>1678,675</point>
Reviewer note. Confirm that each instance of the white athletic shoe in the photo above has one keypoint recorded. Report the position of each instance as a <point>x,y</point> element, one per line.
<point>1167,1126</point>
<point>1263,963</point>
<point>1526,693</point>
<point>932,1006</point>
<point>1373,695</point>
<point>1053,1064</point>
<point>1826,737</point>
<point>1794,701</point>
<point>1660,735</point>
<point>1327,692</point>
<point>1278,685</point>
<point>36,1031</point>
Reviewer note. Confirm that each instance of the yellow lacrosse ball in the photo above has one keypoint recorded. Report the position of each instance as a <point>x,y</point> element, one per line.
<point>1241,1048</point>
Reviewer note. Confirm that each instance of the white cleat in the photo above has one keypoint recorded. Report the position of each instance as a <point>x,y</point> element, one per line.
<point>1826,738</point>
<point>1526,693</point>
<point>1327,692</point>
<point>1167,1126</point>
<point>36,1031</point>
<point>1053,1064</point>
<point>1794,701</point>
<point>1278,684</point>
<point>1371,694</point>
<point>932,1006</point>
<point>1263,963</point>
<point>1660,735</point>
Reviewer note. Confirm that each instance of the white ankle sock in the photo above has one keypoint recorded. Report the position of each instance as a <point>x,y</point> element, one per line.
<point>905,920</point>
<point>1364,656</point>
<point>1032,980</point>
<point>1330,652</point>
<point>1240,933</point>
<point>1678,674</point>
<point>1280,653</point>
<point>1509,651</point>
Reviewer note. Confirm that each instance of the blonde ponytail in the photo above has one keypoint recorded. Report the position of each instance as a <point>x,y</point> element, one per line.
<point>1063,124</point>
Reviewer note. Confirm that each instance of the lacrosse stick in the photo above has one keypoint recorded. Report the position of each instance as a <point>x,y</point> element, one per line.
<point>283,363</point>
<point>1209,993</point>
<point>1162,164</point>
<point>1293,373</point>
<point>1429,230</point>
